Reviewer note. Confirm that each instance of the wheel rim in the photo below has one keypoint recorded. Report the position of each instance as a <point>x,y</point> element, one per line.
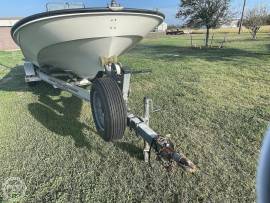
<point>98,111</point>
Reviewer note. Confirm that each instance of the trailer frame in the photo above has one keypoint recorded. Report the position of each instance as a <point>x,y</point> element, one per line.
<point>162,146</point>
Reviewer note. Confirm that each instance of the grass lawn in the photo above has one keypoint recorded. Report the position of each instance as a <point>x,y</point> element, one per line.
<point>215,104</point>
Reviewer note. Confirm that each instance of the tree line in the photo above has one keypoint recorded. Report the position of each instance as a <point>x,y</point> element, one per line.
<point>211,14</point>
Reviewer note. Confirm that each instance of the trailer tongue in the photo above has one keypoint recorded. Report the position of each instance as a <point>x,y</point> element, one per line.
<point>162,146</point>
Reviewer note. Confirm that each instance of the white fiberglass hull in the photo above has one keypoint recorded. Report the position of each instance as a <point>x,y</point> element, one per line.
<point>77,41</point>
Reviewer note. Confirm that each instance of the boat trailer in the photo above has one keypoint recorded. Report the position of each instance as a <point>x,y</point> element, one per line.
<point>162,145</point>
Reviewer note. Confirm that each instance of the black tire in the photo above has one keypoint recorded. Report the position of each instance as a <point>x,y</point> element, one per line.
<point>108,109</point>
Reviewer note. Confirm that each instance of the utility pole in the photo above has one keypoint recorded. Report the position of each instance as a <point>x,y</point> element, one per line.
<point>242,16</point>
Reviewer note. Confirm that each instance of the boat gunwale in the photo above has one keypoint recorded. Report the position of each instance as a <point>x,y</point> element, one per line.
<point>37,16</point>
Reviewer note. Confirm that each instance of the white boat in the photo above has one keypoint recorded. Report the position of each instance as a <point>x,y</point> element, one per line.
<point>81,40</point>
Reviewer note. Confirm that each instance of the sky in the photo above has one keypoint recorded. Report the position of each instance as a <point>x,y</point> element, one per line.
<point>23,8</point>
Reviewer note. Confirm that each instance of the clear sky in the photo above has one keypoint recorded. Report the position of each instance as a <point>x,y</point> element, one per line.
<point>24,8</point>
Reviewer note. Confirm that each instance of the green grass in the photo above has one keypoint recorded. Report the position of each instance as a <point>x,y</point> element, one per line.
<point>215,104</point>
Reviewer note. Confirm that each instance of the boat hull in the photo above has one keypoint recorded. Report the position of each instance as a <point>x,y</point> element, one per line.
<point>78,41</point>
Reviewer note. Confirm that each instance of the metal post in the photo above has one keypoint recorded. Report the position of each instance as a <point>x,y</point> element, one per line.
<point>125,86</point>
<point>146,151</point>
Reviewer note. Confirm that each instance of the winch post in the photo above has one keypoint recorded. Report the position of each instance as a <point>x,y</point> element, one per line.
<point>125,86</point>
<point>146,118</point>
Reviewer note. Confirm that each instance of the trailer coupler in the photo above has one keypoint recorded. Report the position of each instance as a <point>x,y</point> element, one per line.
<point>162,146</point>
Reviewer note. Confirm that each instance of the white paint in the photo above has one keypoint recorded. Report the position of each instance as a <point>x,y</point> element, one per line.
<point>8,22</point>
<point>162,27</point>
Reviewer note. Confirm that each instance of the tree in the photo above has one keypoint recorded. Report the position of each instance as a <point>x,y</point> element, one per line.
<point>242,16</point>
<point>207,13</point>
<point>268,20</point>
<point>254,19</point>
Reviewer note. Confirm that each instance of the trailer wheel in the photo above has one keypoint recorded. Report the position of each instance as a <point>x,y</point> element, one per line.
<point>108,109</point>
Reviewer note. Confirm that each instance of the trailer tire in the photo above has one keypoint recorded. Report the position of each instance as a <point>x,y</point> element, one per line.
<point>108,109</point>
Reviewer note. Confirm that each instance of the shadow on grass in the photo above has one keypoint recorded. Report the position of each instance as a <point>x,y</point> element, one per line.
<point>60,115</point>
<point>131,149</point>
<point>174,53</point>
<point>14,80</point>
<point>268,47</point>
<point>57,113</point>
